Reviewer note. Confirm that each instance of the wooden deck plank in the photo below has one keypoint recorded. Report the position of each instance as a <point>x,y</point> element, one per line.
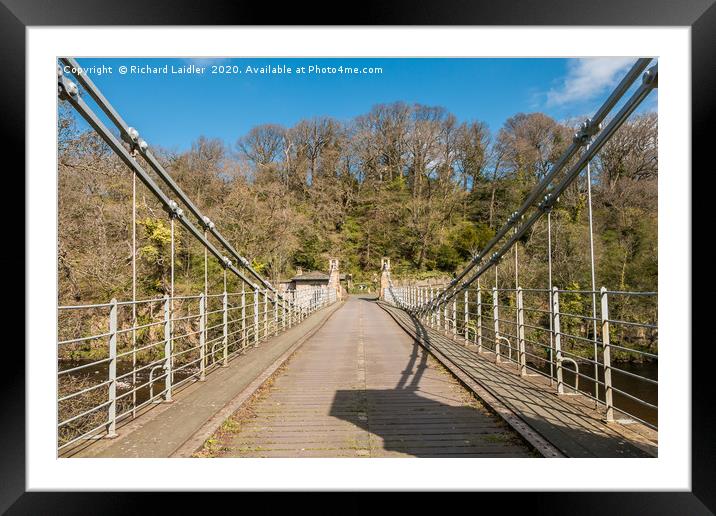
<point>570,423</point>
<point>361,387</point>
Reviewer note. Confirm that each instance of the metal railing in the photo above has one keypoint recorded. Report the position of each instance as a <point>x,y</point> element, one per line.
<point>116,358</point>
<point>533,329</point>
<point>612,343</point>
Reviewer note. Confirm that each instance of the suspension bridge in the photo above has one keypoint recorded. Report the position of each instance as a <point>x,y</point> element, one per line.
<point>468,368</point>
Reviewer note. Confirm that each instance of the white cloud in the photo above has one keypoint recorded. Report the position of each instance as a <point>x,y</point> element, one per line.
<point>588,77</point>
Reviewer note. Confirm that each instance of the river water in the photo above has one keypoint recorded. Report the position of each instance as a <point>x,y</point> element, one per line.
<point>636,387</point>
<point>100,372</point>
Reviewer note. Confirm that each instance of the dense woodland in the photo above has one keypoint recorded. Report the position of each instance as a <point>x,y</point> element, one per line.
<point>411,182</point>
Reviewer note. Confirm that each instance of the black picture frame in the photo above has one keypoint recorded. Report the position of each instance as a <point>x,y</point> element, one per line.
<point>700,15</point>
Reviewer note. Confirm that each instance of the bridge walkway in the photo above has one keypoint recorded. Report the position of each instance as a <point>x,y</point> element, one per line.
<point>569,422</point>
<point>362,387</point>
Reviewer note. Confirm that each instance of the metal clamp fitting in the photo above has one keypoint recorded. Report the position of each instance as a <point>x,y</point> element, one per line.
<point>175,209</point>
<point>132,133</point>
<point>651,76</point>
<point>207,222</point>
<point>66,86</point>
<point>587,130</point>
<point>546,203</point>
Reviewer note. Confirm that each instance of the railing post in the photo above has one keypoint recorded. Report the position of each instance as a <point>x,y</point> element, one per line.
<point>557,339</point>
<point>521,332</point>
<point>202,337</point>
<point>226,327</point>
<point>283,312</point>
<point>478,335</point>
<point>431,314</point>
<point>496,317</point>
<point>446,324</point>
<point>291,309</point>
<point>440,310</point>
<point>607,356</point>
<point>275,314</point>
<point>454,317</point>
<point>466,317</point>
<point>243,316</point>
<point>266,328</point>
<point>112,409</point>
<point>167,349</point>
<point>256,316</point>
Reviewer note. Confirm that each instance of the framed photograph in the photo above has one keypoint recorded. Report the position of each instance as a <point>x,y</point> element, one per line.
<point>429,249</point>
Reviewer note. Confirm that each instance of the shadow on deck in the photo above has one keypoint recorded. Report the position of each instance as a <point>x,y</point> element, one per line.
<point>401,421</point>
<point>568,423</point>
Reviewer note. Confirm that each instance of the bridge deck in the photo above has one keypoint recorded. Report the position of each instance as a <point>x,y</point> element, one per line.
<point>569,423</point>
<point>361,387</point>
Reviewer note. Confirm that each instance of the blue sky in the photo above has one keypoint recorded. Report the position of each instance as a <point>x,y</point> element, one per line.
<point>172,109</point>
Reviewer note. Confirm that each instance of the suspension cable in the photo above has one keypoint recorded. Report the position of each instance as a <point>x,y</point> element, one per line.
<point>131,135</point>
<point>68,90</point>
<point>591,128</point>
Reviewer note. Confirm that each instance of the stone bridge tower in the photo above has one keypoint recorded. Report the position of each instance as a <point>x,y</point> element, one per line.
<point>334,277</point>
<point>384,276</point>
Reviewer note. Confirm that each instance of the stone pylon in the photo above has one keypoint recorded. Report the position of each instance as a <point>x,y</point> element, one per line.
<point>384,276</point>
<point>334,277</point>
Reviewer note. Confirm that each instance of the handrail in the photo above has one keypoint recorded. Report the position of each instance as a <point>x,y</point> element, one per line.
<point>576,370</point>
